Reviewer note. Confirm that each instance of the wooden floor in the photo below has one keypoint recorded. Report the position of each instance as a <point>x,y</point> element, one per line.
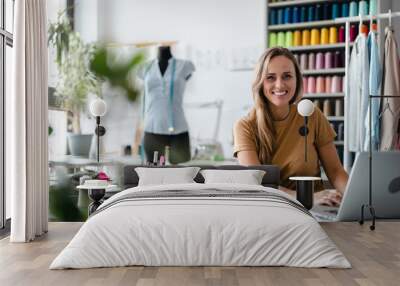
<point>375,257</point>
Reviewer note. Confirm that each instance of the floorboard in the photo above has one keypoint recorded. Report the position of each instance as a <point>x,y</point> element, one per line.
<point>374,255</point>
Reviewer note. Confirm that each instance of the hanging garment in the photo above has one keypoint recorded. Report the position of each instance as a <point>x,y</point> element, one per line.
<point>390,107</point>
<point>358,90</point>
<point>162,106</point>
<point>375,76</point>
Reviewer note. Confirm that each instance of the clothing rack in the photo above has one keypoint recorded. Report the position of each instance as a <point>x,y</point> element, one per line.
<point>369,205</point>
<point>349,20</point>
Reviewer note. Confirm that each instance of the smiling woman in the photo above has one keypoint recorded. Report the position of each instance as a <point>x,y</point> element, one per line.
<point>269,134</point>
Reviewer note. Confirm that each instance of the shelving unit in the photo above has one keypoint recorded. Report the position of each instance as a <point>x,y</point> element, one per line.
<point>335,118</point>
<point>343,47</point>
<point>324,71</point>
<point>293,3</point>
<point>313,24</point>
<point>323,95</point>
<point>318,47</point>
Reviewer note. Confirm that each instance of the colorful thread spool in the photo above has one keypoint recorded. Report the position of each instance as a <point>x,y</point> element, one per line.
<point>326,11</point>
<point>353,9</point>
<point>337,60</point>
<point>320,88</point>
<point>338,107</point>
<point>335,11</point>
<point>303,62</point>
<point>324,36</point>
<point>281,39</point>
<point>345,9</point>
<point>328,84</point>
<point>326,109</point>
<point>272,17</point>
<point>318,12</point>
<point>311,84</point>
<point>373,9</point>
<point>311,61</point>
<point>342,38</point>
<point>305,38</point>
<point>305,85</point>
<point>303,14</point>
<point>328,60</point>
<point>353,33</point>
<point>288,15</point>
<point>336,85</point>
<point>319,61</point>
<point>363,8</point>
<point>288,39</point>
<point>310,14</point>
<point>333,37</point>
<point>280,16</point>
<point>272,40</point>
<point>295,14</point>
<point>297,38</point>
<point>315,37</point>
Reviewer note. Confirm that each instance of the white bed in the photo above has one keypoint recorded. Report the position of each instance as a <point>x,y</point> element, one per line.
<point>259,226</point>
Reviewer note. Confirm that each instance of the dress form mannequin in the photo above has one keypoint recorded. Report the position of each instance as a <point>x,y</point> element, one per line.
<point>164,121</point>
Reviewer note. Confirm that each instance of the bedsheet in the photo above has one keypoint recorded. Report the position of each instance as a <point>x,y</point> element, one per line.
<point>201,225</point>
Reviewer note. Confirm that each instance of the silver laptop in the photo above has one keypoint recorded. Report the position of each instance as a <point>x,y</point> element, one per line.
<point>385,189</point>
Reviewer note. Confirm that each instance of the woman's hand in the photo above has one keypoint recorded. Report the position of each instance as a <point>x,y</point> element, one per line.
<point>331,198</point>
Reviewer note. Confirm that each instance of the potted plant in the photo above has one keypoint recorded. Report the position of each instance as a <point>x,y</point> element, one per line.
<point>118,74</point>
<point>75,81</point>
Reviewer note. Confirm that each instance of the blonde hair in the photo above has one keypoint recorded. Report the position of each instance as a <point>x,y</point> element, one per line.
<point>260,114</point>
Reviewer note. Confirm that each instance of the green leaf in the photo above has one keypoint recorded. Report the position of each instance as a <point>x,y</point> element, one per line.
<point>117,75</point>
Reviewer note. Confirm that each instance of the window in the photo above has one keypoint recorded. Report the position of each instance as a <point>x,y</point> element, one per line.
<point>6,44</point>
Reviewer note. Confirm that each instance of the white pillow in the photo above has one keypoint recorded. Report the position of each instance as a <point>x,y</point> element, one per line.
<point>248,177</point>
<point>165,176</point>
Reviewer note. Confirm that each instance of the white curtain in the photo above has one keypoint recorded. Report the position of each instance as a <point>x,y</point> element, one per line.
<point>27,123</point>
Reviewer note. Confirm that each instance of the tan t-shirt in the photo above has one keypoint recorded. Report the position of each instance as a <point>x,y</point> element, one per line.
<point>289,151</point>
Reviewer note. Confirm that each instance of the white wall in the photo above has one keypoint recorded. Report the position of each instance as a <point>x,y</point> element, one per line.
<point>396,21</point>
<point>53,7</point>
<point>216,35</point>
<point>86,19</point>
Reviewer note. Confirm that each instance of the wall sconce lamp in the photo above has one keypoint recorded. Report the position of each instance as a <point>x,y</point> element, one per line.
<point>98,108</point>
<point>305,108</point>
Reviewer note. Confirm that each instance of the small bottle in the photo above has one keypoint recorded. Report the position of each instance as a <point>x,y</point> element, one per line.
<point>155,158</point>
<point>166,155</point>
<point>162,160</point>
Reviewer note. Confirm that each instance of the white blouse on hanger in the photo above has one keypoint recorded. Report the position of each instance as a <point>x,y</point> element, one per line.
<point>358,93</point>
<point>375,76</point>
<point>390,107</point>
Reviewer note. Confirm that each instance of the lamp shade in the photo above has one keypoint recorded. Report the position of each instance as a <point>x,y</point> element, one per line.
<point>98,107</point>
<point>305,107</point>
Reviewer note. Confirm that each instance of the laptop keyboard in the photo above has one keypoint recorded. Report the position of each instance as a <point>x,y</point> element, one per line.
<point>324,213</point>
